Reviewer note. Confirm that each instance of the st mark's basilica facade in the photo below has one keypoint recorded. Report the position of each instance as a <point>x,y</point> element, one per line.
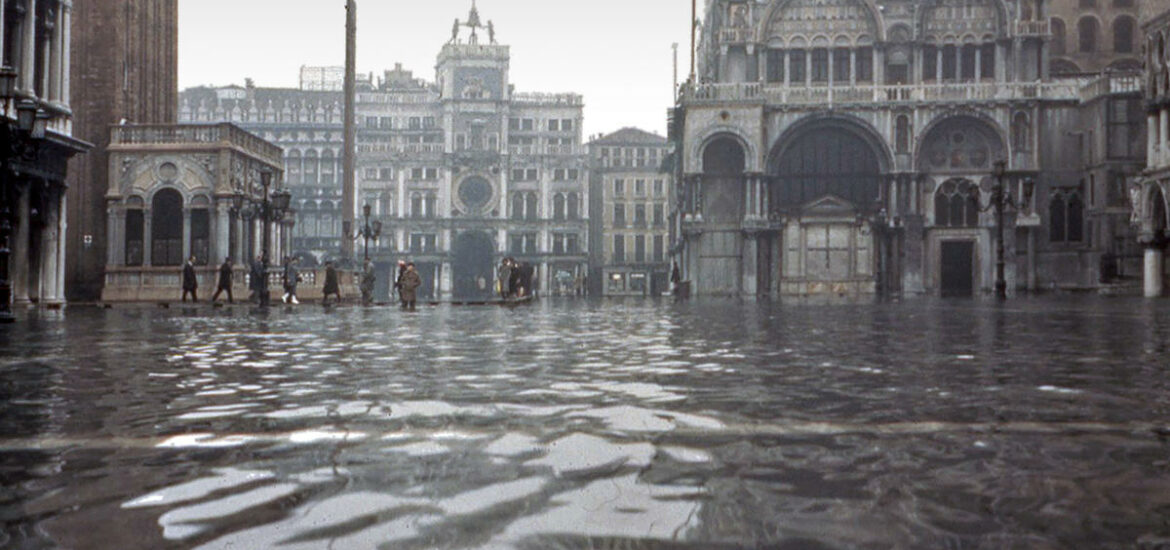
<point>860,147</point>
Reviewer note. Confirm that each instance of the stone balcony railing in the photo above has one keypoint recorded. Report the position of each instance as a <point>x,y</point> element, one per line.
<point>1032,28</point>
<point>824,95</point>
<point>222,134</point>
<point>545,99</point>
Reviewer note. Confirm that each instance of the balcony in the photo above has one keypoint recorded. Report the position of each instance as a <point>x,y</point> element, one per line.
<point>223,134</point>
<point>825,96</point>
<point>1032,28</point>
<point>729,35</point>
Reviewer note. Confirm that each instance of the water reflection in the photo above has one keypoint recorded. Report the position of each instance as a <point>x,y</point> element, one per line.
<point>1033,424</point>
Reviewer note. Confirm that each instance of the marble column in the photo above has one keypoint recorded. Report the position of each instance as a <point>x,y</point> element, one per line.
<point>18,245</point>
<point>749,260</point>
<point>221,246</point>
<point>147,237</point>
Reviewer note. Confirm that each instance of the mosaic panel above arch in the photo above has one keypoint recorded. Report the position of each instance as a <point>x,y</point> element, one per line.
<point>853,20</point>
<point>947,20</point>
<point>962,144</point>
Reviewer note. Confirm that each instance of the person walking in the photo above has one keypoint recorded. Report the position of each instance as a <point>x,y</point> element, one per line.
<point>408,287</point>
<point>291,278</point>
<point>190,280</point>
<point>504,278</point>
<point>225,280</point>
<point>369,276</point>
<point>256,278</point>
<point>332,286</point>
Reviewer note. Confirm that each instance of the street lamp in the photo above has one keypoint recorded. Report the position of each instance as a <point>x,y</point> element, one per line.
<point>371,230</point>
<point>1001,200</point>
<point>270,209</point>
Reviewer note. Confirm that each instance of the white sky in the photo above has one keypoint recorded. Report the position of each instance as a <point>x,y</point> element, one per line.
<point>617,53</point>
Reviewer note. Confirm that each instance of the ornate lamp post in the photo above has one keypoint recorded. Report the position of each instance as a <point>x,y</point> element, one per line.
<point>371,230</point>
<point>1001,200</point>
<point>270,209</point>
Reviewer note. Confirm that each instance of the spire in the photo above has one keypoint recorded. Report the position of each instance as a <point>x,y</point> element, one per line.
<point>473,17</point>
<point>474,24</point>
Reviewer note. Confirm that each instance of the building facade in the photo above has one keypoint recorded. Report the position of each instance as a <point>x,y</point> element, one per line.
<point>1091,36</point>
<point>36,142</point>
<point>850,148</point>
<point>172,196</point>
<point>630,222</point>
<point>462,171</point>
<point>125,70</point>
<point>1151,208</point>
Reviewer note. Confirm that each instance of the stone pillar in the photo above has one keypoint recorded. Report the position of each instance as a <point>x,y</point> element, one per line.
<point>221,246</point>
<point>18,246</point>
<point>751,254</point>
<point>938,63</point>
<point>28,64</point>
<point>1164,128</point>
<point>48,252</point>
<point>787,68</point>
<point>853,67</point>
<point>147,237</point>
<point>62,226</point>
<point>55,60</point>
<point>913,254</point>
<point>1152,139</point>
<point>67,40</point>
<point>186,233</point>
<point>1153,274</point>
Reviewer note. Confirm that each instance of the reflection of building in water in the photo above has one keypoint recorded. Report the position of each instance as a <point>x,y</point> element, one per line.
<point>629,214</point>
<point>462,171</point>
<point>1149,198</point>
<point>847,147</point>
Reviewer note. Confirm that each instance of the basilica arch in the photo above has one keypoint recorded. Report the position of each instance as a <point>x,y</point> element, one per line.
<point>827,156</point>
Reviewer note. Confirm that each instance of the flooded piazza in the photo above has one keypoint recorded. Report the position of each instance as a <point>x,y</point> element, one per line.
<point>1033,424</point>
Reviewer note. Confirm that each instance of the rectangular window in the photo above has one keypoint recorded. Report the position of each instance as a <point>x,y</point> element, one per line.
<point>775,67</point>
<point>640,248</point>
<point>134,233</point>
<point>929,63</point>
<point>567,125</point>
<point>619,187</point>
<point>554,125</point>
<point>659,248</point>
<point>386,174</point>
<point>841,62</point>
<point>865,65</point>
<point>659,188</point>
<point>987,61</point>
<point>415,123</point>
<point>619,215</point>
<point>820,65</point>
<point>528,124</point>
<point>371,122</point>
<point>619,249</point>
<point>640,215</point>
<point>796,64</point>
<point>659,215</point>
<point>640,188</point>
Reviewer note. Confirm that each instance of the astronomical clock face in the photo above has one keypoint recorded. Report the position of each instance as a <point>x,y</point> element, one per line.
<point>475,193</point>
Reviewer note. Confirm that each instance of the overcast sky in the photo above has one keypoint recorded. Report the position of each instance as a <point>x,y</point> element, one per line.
<point>617,53</point>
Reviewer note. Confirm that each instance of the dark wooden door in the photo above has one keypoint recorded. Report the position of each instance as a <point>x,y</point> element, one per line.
<point>958,268</point>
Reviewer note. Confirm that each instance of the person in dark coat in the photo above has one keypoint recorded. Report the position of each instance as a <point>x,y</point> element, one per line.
<point>398,278</point>
<point>366,285</point>
<point>332,286</point>
<point>291,278</point>
<point>504,276</point>
<point>408,287</point>
<point>255,278</point>
<point>225,280</point>
<point>190,281</point>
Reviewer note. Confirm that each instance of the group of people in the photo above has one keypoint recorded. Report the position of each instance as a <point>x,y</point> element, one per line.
<point>515,278</point>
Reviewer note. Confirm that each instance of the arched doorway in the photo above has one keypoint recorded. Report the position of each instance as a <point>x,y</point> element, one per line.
<point>718,267</point>
<point>472,266</point>
<point>825,181</point>
<point>166,228</point>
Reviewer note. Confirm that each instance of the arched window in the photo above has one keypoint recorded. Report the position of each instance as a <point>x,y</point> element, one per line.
<point>201,233</point>
<point>559,206</point>
<point>530,206</point>
<point>166,228</point>
<point>902,134</point>
<point>956,204</point>
<point>1087,34</point>
<point>431,205</point>
<point>1123,32</point>
<point>135,226</point>
<point>720,196</point>
<point>574,206</point>
<point>1058,36</point>
<point>311,163</point>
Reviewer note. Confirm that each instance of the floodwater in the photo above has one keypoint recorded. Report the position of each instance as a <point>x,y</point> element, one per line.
<point>1034,424</point>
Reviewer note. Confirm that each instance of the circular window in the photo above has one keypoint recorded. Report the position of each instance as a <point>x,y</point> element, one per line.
<point>167,171</point>
<point>475,192</point>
